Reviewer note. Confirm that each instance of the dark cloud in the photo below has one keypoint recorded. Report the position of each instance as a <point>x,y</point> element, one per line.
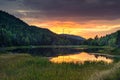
<point>11,0</point>
<point>89,9</point>
<point>64,9</point>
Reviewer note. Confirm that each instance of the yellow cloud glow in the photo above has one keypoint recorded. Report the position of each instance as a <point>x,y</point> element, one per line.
<point>87,30</point>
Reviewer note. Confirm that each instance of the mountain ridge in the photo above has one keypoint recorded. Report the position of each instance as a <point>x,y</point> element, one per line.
<point>15,32</point>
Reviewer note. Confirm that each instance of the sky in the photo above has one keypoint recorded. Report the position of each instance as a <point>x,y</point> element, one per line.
<point>86,18</point>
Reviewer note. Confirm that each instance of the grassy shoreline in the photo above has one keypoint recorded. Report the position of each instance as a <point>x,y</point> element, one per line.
<point>55,46</point>
<point>27,67</point>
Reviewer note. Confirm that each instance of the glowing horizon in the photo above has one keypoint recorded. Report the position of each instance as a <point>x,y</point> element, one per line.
<point>74,28</point>
<point>86,18</point>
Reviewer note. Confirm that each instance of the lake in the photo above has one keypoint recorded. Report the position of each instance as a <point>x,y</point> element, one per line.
<point>52,51</point>
<point>66,55</point>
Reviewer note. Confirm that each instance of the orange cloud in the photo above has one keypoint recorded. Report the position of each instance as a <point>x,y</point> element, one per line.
<point>86,30</point>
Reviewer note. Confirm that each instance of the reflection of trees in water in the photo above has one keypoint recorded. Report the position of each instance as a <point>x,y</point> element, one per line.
<point>46,51</point>
<point>51,51</point>
<point>92,49</point>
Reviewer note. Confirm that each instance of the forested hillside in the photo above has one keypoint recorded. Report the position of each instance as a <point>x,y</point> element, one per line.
<point>75,40</point>
<point>15,32</point>
<point>112,39</point>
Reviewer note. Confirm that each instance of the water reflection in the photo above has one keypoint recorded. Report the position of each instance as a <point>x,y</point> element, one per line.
<point>80,58</point>
<point>50,52</point>
<point>47,52</point>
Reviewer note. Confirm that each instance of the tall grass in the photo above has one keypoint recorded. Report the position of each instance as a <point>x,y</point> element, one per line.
<point>109,74</point>
<point>26,67</point>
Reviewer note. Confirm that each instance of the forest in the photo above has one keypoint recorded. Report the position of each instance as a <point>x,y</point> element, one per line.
<point>15,32</point>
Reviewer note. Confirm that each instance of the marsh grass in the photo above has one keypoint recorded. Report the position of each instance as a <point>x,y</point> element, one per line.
<point>26,67</point>
<point>109,74</point>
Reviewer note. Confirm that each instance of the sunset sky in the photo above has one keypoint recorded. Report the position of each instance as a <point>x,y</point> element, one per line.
<point>85,18</point>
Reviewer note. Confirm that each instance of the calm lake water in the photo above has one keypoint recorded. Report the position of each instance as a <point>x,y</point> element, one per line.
<point>67,55</point>
<point>50,52</point>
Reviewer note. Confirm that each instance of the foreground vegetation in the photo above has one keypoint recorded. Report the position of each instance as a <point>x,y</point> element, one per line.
<point>27,67</point>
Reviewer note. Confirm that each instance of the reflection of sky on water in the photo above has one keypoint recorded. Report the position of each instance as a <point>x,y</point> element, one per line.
<point>80,58</point>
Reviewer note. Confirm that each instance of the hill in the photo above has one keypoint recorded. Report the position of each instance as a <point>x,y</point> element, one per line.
<point>15,32</point>
<point>75,40</point>
<point>112,39</point>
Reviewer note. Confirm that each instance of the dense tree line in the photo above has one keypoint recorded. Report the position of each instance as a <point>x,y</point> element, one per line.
<point>109,40</point>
